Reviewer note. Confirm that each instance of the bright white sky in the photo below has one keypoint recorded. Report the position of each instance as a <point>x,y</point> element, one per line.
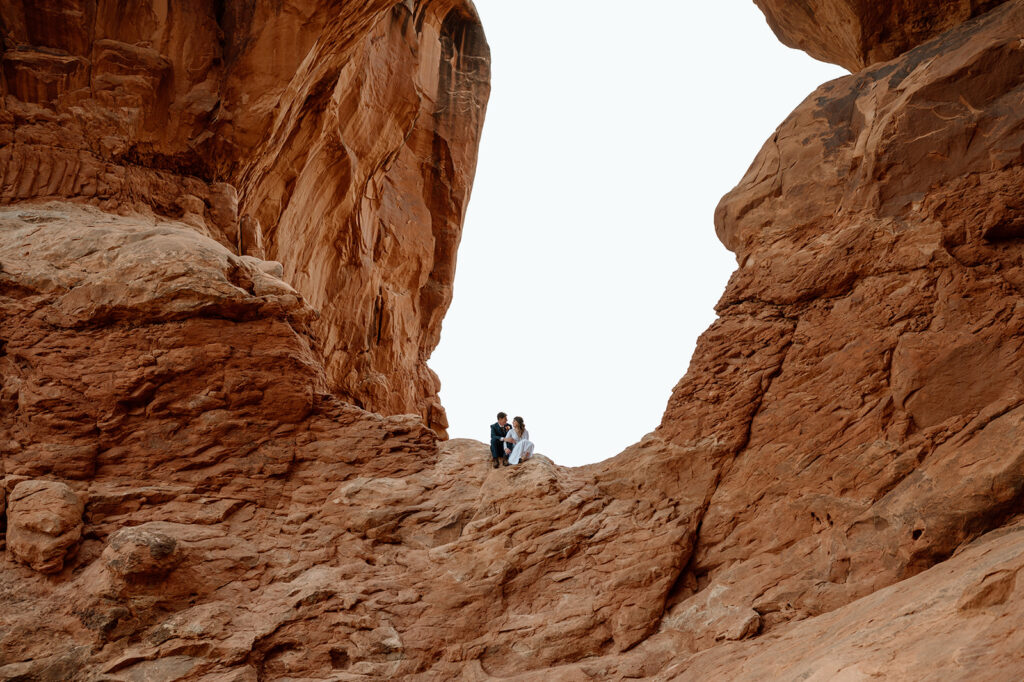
<point>589,263</point>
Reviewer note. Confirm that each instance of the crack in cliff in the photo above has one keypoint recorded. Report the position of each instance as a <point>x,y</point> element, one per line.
<point>675,594</point>
<point>767,384</point>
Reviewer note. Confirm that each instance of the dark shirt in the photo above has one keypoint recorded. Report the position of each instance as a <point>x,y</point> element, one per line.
<point>497,447</point>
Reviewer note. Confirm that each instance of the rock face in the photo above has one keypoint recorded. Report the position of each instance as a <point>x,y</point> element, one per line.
<point>338,138</point>
<point>957,622</point>
<point>877,312</point>
<point>858,33</point>
<point>834,491</point>
<point>44,524</point>
<point>236,508</point>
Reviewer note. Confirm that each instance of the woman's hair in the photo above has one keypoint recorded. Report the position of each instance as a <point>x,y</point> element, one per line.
<point>519,426</point>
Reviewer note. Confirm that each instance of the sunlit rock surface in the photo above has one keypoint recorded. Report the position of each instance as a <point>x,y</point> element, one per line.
<point>227,241</point>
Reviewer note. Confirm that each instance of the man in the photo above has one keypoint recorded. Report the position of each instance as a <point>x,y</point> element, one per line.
<point>498,456</point>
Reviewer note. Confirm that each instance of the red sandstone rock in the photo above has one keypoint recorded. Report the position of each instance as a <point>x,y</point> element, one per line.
<point>833,491</point>
<point>138,552</point>
<point>337,138</point>
<point>956,621</point>
<point>44,524</point>
<point>228,494</point>
<point>858,33</point>
<point>889,332</point>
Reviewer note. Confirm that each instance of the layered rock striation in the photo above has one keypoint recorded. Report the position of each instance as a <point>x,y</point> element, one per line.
<point>875,323</point>
<point>858,33</point>
<point>221,515</point>
<point>192,486</point>
<point>337,138</point>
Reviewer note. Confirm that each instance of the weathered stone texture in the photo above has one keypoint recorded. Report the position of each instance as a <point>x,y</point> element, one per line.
<point>44,524</point>
<point>877,249</point>
<point>337,138</point>
<point>237,511</point>
<point>858,33</point>
<point>834,491</point>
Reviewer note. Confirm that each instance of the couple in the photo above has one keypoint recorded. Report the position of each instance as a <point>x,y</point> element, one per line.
<point>510,444</point>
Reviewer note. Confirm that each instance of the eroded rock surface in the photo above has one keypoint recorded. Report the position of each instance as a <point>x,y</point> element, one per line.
<point>834,491</point>
<point>238,512</point>
<point>337,138</point>
<point>44,524</point>
<point>858,33</point>
<point>874,325</point>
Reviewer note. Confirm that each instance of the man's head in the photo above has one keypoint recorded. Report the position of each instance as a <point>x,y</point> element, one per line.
<point>502,418</point>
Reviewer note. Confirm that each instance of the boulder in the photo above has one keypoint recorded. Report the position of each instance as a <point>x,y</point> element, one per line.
<point>139,553</point>
<point>44,524</point>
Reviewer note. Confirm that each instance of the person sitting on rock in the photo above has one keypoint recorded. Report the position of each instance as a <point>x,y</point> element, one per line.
<point>498,456</point>
<point>520,437</point>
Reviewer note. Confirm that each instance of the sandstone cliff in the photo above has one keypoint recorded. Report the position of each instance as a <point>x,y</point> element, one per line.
<point>337,138</point>
<point>193,490</point>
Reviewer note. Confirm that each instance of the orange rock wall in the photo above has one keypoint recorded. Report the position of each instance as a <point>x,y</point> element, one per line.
<point>185,499</point>
<point>337,138</point>
<point>858,33</point>
<point>834,491</point>
<point>859,393</point>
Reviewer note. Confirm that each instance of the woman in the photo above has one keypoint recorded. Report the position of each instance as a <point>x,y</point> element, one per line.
<point>523,449</point>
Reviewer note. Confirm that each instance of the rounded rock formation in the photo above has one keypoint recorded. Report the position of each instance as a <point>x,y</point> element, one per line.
<point>858,33</point>
<point>44,524</point>
<point>138,553</point>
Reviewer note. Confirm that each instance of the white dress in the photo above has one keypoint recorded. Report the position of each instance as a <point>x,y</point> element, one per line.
<point>523,449</point>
